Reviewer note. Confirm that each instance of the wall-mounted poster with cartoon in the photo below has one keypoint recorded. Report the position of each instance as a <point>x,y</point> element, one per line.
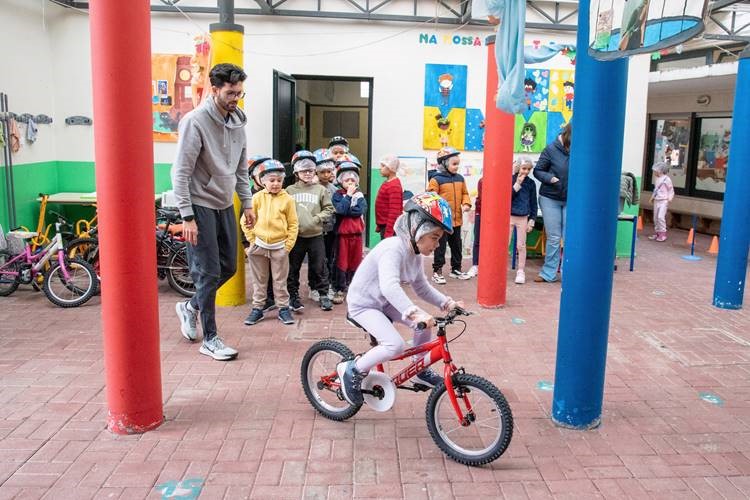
<point>531,134</point>
<point>172,93</point>
<point>536,89</point>
<point>447,121</point>
<point>561,90</point>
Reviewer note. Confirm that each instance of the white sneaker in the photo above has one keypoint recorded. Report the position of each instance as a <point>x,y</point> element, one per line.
<point>217,350</point>
<point>188,320</point>
<point>473,272</point>
<point>458,275</point>
<point>314,295</point>
<point>520,277</point>
<point>438,278</point>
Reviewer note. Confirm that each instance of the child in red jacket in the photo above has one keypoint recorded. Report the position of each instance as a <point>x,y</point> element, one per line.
<point>389,201</point>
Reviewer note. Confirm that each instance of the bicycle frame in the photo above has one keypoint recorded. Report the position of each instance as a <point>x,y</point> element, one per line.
<point>438,351</point>
<point>39,259</point>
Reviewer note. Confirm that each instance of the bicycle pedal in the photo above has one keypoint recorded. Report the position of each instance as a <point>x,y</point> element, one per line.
<point>421,387</point>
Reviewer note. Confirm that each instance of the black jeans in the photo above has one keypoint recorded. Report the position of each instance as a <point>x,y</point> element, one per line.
<point>454,240</point>
<point>314,249</point>
<point>212,261</point>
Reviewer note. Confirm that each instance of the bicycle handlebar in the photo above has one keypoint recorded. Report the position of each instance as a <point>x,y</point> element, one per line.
<point>448,319</point>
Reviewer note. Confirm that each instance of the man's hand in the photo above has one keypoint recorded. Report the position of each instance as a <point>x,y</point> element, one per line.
<point>466,207</point>
<point>190,231</point>
<point>530,226</point>
<point>554,180</point>
<point>249,217</point>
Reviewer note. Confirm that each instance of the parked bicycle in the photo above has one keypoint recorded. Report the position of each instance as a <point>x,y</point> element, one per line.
<point>467,416</point>
<point>66,282</point>
<point>171,255</point>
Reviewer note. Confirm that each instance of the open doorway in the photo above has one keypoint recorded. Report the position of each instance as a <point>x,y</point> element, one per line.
<point>324,107</point>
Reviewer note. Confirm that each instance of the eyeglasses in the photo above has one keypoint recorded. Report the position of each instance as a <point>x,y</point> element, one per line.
<point>235,95</point>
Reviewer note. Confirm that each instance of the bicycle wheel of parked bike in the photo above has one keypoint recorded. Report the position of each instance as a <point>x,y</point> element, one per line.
<point>178,273</point>
<point>86,249</point>
<point>8,282</point>
<point>320,361</point>
<point>72,290</point>
<point>487,429</point>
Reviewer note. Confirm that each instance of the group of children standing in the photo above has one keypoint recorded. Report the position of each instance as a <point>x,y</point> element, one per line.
<point>318,217</point>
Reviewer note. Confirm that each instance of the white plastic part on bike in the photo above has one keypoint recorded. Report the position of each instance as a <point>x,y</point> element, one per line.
<point>379,379</point>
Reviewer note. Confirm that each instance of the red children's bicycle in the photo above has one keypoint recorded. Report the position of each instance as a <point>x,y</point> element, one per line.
<point>467,416</point>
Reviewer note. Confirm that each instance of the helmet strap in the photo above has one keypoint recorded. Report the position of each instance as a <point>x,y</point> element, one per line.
<point>412,235</point>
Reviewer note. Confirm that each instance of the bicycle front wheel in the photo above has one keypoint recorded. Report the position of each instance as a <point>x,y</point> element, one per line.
<point>86,249</point>
<point>8,282</point>
<point>487,428</point>
<point>76,289</point>
<point>178,273</point>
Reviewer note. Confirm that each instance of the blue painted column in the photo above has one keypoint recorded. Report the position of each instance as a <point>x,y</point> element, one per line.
<point>589,238</point>
<point>731,266</point>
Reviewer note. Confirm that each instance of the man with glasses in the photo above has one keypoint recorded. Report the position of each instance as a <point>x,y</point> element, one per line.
<point>211,165</point>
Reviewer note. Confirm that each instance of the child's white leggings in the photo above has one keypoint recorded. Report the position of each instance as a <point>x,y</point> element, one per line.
<point>390,344</point>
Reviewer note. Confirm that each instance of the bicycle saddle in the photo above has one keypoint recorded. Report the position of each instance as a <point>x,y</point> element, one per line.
<point>351,321</point>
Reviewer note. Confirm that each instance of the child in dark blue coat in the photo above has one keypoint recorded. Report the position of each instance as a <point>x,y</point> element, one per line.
<point>351,206</point>
<point>523,210</point>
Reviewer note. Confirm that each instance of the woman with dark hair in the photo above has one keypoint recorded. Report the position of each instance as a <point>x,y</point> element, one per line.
<point>552,171</point>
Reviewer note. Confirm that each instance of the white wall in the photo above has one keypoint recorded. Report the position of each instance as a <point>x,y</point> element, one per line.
<point>27,75</point>
<point>388,52</point>
<point>634,141</point>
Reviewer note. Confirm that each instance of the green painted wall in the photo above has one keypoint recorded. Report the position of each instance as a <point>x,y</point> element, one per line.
<point>376,180</point>
<point>625,229</point>
<point>3,201</point>
<point>58,177</point>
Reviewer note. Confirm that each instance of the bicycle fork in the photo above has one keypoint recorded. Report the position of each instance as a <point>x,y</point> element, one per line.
<point>449,370</point>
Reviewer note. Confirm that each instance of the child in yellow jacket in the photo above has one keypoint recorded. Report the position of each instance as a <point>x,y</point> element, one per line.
<point>271,239</point>
<point>450,185</point>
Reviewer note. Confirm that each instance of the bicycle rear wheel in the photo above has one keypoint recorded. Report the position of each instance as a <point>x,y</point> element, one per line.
<point>325,395</point>
<point>8,282</point>
<point>487,429</point>
<point>73,291</point>
<point>178,273</point>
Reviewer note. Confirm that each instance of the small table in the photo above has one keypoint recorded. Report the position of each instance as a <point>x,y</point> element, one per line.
<point>86,199</point>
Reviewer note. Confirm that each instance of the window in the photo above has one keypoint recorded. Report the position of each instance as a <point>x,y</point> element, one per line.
<point>670,144</point>
<point>713,154</point>
<point>344,123</point>
<point>696,148</point>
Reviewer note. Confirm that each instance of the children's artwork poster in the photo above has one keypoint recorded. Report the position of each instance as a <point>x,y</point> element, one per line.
<point>620,28</point>
<point>549,107</point>
<point>447,121</point>
<point>412,173</point>
<point>713,154</point>
<point>172,93</point>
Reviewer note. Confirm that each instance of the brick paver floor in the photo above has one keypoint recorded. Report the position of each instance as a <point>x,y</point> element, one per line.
<point>676,420</point>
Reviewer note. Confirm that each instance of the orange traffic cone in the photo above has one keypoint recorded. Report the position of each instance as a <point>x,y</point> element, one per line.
<point>691,237</point>
<point>714,248</point>
<point>639,226</point>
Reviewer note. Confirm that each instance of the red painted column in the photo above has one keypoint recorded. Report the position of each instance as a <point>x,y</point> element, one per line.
<point>496,186</point>
<point>121,70</point>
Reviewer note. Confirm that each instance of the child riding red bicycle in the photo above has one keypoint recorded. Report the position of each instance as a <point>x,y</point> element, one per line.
<point>377,299</point>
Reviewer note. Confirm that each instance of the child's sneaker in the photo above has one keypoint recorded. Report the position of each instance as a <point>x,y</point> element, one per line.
<point>438,278</point>
<point>188,320</point>
<point>325,303</point>
<point>270,305</point>
<point>338,297</point>
<point>653,236</point>
<point>520,277</point>
<point>458,275</point>
<point>428,377</point>
<point>285,316</point>
<point>254,316</point>
<point>661,236</point>
<point>473,272</point>
<point>351,382</point>
<point>314,296</point>
<point>295,304</point>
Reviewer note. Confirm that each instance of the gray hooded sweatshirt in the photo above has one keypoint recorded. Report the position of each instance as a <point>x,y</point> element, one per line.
<point>211,160</point>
